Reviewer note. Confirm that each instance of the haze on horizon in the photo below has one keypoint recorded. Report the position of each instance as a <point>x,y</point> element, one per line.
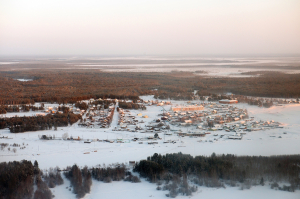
<point>149,27</point>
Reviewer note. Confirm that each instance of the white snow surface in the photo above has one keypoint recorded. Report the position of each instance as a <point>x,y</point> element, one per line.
<point>121,189</point>
<point>24,80</point>
<point>118,190</point>
<point>21,114</point>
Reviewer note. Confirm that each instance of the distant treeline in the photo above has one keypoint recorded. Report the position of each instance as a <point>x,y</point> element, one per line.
<point>270,84</point>
<point>36,123</point>
<point>70,87</point>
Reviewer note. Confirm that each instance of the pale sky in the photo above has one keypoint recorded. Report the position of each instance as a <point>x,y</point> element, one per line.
<point>149,27</point>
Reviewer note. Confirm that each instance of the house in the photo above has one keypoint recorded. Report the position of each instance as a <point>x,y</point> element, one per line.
<point>192,134</point>
<point>235,137</point>
<point>131,163</point>
<point>226,101</point>
<point>187,108</point>
<point>188,121</point>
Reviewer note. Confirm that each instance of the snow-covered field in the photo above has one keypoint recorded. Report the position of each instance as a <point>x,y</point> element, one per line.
<point>21,114</point>
<point>206,71</point>
<point>210,66</point>
<point>121,189</point>
<point>24,80</point>
<point>118,190</point>
<point>52,153</point>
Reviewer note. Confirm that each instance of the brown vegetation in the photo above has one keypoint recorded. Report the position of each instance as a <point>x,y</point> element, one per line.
<point>72,86</point>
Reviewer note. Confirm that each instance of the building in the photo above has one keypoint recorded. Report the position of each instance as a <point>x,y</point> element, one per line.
<point>235,137</point>
<point>192,134</point>
<point>227,101</point>
<point>187,108</point>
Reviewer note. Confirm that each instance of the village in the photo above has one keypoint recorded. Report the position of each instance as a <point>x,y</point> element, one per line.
<point>165,121</point>
<point>120,128</point>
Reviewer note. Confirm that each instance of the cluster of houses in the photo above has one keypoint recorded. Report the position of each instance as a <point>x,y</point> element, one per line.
<point>235,130</point>
<point>58,109</point>
<point>206,114</point>
<point>156,103</point>
<point>205,117</point>
<point>128,122</point>
<point>197,119</point>
<point>209,117</point>
<point>97,116</point>
<point>50,109</point>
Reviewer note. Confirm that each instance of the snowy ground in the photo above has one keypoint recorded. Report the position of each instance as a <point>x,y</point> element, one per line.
<point>121,189</point>
<point>61,153</point>
<point>206,71</point>
<point>21,114</point>
<point>118,190</point>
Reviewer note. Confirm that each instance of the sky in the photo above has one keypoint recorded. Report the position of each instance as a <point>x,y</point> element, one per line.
<point>149,27</point>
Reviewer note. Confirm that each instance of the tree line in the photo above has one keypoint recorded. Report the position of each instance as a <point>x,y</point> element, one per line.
<point>17,108</point>
<point>216,170</point>
<point>18,178</point>
<point>81,180</point>
<point>36,123</point>
<point>178,173</point>
<point>131,105</point>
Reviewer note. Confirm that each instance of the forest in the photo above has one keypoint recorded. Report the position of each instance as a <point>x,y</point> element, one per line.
<point>18,178</point>
<point>36,123</point>
<point>81,180</point>
<point>180,174</point>
<point>131,105</point>
<point>73,85</point>
<point>179,170</point>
